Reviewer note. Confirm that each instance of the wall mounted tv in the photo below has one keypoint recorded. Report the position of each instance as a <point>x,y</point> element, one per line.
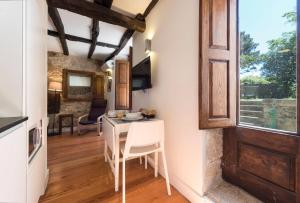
<point>141,75</point>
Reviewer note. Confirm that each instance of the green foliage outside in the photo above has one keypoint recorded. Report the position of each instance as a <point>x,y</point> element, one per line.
<point>277,66</point>
<point>249,56</point>
<point>254,80</point>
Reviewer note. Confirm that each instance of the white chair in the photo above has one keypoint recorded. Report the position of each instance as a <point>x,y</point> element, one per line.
<point>145,138</point>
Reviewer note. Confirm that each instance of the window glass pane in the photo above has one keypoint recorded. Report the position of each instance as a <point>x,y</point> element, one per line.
<point>268,63</point>
<point>79,81</point>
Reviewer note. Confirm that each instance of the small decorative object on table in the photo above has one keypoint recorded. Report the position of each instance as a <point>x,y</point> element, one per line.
<point>148,113</point>
<point>112,114</point>
<point>134,116</point>
<point>120,114</point>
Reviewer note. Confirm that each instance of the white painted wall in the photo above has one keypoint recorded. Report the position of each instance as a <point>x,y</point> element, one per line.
<point>36,90</point>
<point>11,82</point>
<point>173,29</point>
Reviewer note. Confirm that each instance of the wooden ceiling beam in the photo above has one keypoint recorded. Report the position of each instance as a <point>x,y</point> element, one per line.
<point>95,34</point>
<point>100,13</point>
<point>81,39</point>
<point>128,34</point>
<point>106,3</point>
<point>149,8</point>
<point>54,15</point>
<point>95,26</point>
<point>125,38</point>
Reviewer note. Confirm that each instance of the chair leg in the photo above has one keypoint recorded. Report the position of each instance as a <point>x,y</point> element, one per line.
<point>99,129</point>
<point>146,161</point>
<point>105,151</point>
<point>123,182</point>
<point>141,160</point>
<point>78,129</point>
<point>166,172</point>
<point>155,164</point>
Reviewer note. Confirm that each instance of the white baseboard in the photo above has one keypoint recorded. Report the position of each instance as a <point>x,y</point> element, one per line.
<point>192,195</point>
<point>184,189</point>
<point>46,180</point>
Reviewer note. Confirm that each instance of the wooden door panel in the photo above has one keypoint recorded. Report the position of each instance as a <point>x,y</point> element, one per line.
<point>269,140</point>
<point>263,189</point>
<point>122,96</point>
<point>123,73</point>
<point>264,163</point>
<point>217,64</point>
<point>218,89</point>
<point>218,24</point>
<point>123,83</point>
<point>273,166</point>
<point>99,87</point>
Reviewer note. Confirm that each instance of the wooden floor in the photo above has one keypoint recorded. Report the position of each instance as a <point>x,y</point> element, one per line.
<point>78,173</point>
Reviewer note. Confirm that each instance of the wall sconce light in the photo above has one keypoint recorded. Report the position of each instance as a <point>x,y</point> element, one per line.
<point>109,73</point>
<point>147,46</point>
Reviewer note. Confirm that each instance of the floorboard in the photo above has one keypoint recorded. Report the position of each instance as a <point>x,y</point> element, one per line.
<point>78,174</point>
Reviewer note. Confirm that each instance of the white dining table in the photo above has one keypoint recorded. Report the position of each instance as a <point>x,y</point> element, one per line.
<point>112,129</point>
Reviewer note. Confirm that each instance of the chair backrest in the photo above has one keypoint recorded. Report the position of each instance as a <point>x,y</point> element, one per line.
<point>142,134</point>
<point>98,108</point>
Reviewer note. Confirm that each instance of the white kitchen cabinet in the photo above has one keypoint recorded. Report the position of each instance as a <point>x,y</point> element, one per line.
<point>13,164</point>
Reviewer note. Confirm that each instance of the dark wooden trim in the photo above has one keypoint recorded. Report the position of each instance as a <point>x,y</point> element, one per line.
<point>150,7</point>
<point>298,102</point>
<point>65,83</point>
<point>130,76</point>
<point>95,34</point>
<point>128,34</point>
<point>298,69</point>
<point>54,15</point>
<point>100,13</point>
<point>81,39</point>
<point>106,3</point>
<point>95,26</point>
<point>125,38</point>
<point>273,141</point>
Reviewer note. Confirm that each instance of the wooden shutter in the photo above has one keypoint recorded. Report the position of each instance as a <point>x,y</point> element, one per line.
<point>99,87</point>
<point>122,78</point>
<point>217,64</point>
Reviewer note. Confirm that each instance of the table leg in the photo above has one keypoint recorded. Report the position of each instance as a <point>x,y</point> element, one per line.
<point>117,158</point>
<point>72,122</point>
<point>59,125</point>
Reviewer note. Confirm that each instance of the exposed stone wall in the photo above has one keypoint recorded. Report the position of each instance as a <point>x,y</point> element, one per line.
<point>280,114</point>
<point>56,63</point>
<point>213,155</point>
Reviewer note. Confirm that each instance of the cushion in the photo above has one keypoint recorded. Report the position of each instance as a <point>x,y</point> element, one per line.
<point>86,122</point>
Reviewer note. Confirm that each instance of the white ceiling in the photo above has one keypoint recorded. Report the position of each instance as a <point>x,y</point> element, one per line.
<point>80,26</point>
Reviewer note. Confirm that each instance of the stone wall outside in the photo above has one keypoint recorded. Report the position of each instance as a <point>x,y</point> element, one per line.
<point>280,114</point>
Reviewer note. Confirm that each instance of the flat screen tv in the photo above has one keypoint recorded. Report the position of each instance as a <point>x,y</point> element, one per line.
<point>141,75</point>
